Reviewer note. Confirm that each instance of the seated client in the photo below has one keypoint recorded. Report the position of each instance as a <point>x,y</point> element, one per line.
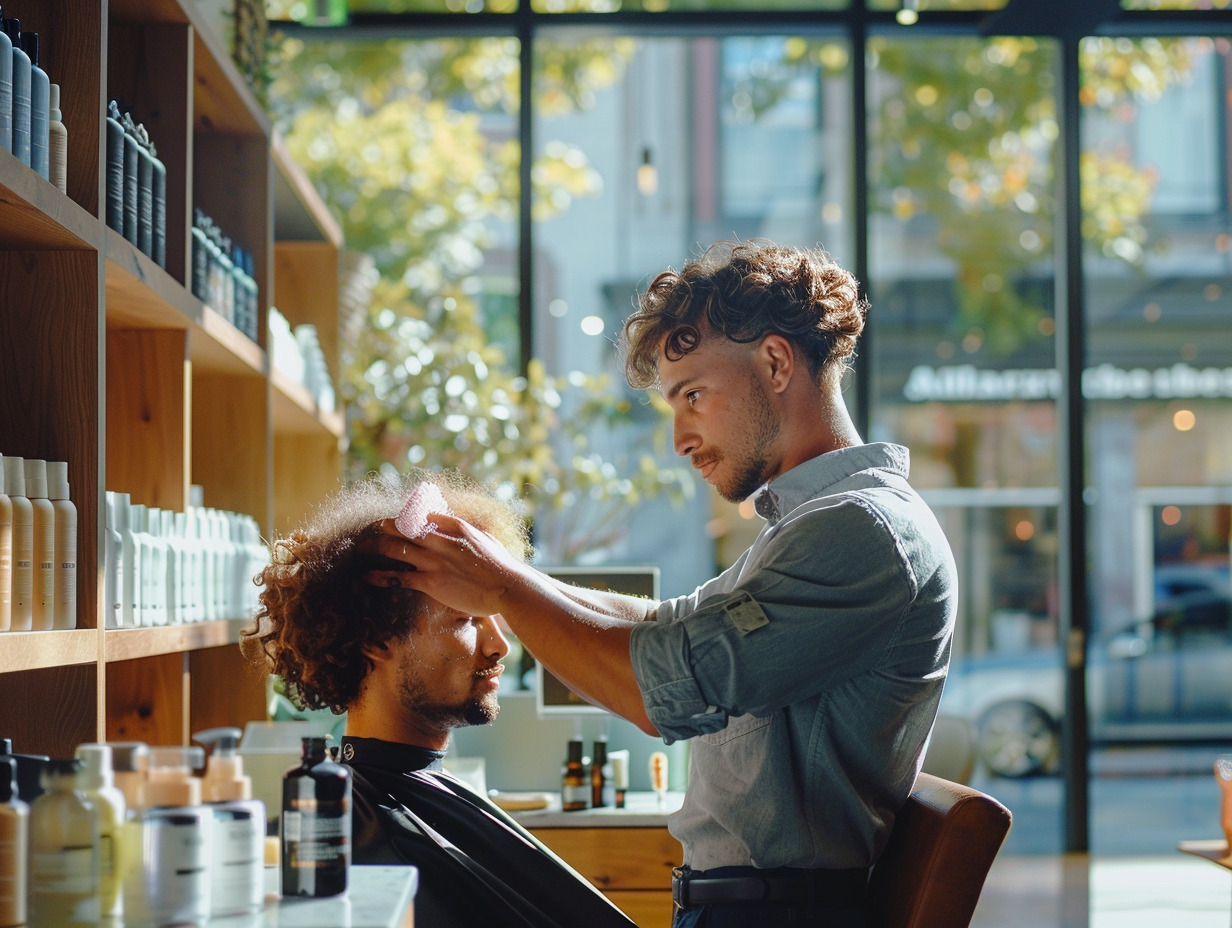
<point>407,671</point>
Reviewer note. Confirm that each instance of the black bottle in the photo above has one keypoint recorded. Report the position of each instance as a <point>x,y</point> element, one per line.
<point>316,825</point>
<point>115,168</point>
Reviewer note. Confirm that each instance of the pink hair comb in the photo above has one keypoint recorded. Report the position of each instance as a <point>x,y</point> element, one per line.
<point>413,520</point>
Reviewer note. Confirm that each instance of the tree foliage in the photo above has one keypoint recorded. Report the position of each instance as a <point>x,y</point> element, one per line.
<point>411,144</point>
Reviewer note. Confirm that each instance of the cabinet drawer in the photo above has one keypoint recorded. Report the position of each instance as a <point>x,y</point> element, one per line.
<point>618,858</point>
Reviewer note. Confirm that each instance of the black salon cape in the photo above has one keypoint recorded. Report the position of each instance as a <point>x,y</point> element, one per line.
<point>477,866</point>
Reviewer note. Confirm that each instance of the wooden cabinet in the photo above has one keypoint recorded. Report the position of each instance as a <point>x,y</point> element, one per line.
<point>109,362</point>
<point>632,866</point>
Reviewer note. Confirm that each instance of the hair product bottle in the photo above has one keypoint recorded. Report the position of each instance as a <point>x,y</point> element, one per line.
<point>316,824</point>
<point>22,609</point>
<point>6,557</point>
<point>237,885</point>
<point>40,106</point>
<point>65,611</point>
<point>170,883</point>
<point>130,177</point>
<point>44,558</point>
<point>57,142</point>
<point>64,841</point>
<point>97,782</point>
<point>6,89</point>
<point>14,841</point>
<point>21,92</point>
<point>115,168</point>
<point>145,191</point>
<point>620,776</point>
<point>160,208</point>
<point>602,783</point>
<point>574,785</point>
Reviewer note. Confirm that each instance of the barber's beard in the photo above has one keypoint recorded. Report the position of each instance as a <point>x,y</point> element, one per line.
<point>476,710</point>
<point>748,463</point>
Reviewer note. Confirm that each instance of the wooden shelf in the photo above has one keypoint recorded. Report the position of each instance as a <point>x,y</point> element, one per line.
<point>116,367</point>
<point>295,412</point>
<point>299,213</point>
<point>126,644</point>
<point>35,216</point>
<point>40,650</point>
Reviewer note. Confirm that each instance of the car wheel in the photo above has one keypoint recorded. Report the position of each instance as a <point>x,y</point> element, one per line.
<point>1017,739</point>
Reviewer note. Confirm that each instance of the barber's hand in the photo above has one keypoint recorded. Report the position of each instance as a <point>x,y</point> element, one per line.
<point>454,563</point>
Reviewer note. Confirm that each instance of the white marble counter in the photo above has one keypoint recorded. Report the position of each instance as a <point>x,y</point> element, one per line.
<point>642,810</point>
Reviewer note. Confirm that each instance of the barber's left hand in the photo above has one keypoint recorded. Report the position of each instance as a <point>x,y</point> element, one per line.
<point>455,563</point>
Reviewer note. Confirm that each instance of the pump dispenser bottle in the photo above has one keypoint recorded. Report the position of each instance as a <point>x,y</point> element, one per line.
<point>44,560</point>
<point>237,884</point>
<point>40,105</point>
<point>97,783</point>
<point>14,844</point>
<point>64,841</point>
<point>6,558</point>
<point>65,611</point>
<point>316,825</point>
<point>170,884</point>
<point>6,89</point>
<point>21,92</point>
<point>23,545</point>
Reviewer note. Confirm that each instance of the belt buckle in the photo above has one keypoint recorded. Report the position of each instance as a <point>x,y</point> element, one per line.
<point>680,887</point>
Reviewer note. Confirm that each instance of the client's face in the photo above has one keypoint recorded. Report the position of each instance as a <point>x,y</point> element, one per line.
<point>449,668</point>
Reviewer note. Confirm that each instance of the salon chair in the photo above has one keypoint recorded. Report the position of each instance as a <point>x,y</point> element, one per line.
<point>942,845</point>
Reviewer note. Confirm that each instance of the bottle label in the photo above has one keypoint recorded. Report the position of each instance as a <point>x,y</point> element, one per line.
<point>68,871</point>
<point>317,833</point>
<point>575,796</point>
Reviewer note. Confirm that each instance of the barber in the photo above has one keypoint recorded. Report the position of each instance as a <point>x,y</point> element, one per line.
<point>807,675</point>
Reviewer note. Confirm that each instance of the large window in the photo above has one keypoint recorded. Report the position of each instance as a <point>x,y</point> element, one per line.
<point>928,158</point>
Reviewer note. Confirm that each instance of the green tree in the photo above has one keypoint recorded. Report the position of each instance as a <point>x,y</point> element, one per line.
<point>411,145</point>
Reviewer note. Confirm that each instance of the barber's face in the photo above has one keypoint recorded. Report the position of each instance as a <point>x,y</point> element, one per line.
<point>722,417</point>
<point>449,668</point>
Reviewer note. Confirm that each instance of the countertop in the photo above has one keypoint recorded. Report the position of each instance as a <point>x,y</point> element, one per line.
<point>642,810</point>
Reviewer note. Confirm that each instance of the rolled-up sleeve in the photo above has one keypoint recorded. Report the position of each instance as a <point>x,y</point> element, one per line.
<point>660,656</point>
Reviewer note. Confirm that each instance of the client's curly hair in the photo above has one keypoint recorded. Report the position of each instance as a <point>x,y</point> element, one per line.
<point>317,611</point>
<point>745,291</point>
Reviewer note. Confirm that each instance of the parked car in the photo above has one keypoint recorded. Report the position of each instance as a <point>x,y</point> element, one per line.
<point>1168,678</point>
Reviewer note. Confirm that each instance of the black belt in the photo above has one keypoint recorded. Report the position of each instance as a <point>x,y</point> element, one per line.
<point>782,886</point>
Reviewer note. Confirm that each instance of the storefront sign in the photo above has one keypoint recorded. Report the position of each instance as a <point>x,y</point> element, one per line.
<point>966,383</point>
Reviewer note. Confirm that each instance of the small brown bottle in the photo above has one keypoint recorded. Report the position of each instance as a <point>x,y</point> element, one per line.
<point>316,825</point>
<point>602,786</point>
<point>574,785</point>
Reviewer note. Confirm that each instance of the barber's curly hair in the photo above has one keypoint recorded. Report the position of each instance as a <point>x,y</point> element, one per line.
<point>745,291</point>
<point>317,611</point>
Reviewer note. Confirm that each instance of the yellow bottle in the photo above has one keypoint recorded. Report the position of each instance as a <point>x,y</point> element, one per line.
<point>97,782</point>
<point>64,837</point>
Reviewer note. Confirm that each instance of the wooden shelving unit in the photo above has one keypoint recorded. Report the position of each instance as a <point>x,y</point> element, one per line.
<point>109,362</point>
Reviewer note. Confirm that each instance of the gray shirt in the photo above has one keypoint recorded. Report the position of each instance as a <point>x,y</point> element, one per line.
<point>807,674</point>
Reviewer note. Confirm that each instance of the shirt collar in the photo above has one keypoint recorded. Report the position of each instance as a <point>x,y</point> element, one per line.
<point>805,481</point>
<point>389,755</point>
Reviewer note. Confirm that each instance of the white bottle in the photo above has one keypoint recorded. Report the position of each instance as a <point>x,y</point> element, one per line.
<point>97,781</point>
<point>23,545</point>
<point>65,615</point>
<point>156,578</point>
<point>64,841</point>
<point>113,564</point>
<point>171,560</point>
<point>141,562</point>
<point>6,558</point>
<point>170,885</point>
<point>131,585</point>
<point>183,567</point>
<point>14,847</point>
<point>238,881</point>
<point>57,142</point>
<point>44,560</point>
